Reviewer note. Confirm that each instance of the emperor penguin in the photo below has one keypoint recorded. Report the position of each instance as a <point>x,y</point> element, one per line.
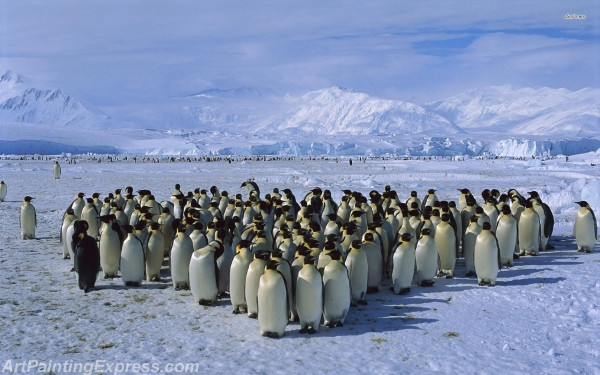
<point>237,276</point>
<point>403,265</point>
<point>132,258</point>
<point>426,257</point>
<point>462,199</point>
<point>28,219</point>
<point>255,271</point>
<point>344,210</point>
<point>586,228</point>
<point>181,254</point>
<point>87,260</point>
<point>3,191</point>
<point>487,256</point>
<point>165,220</point>
<point>529,230</point>
<point>309,296</point>
<point>547,226</point>
<point>489,208</point>
<point>64,240</point>
<point>358,272</point>
<point>336,291</point>
<point>198,236</point>
<point>78,204</point>
<point>90,214</point>
<point>203,273</point>
<point>224,258</point>
<point>429,199</point>
<point>273,305</point>
<point>156,252</point>
<point>468,246</point>
<point>56,170</point>
<point>374,255</point>
<point>285,269</point>
<point>252,188</point>
<point>413,199</point>
<point>445,242</point>
<point>506,233</point>
<point>111,241</point>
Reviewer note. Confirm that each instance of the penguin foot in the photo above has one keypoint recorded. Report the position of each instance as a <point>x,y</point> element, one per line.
<point>223,295</point>
<point>304,330</point>
<point>73,269</point>
<point>271,335</point>
<point>549,247</point>
<point>404,290</point>
<point>470,273</point>
<point>516,256</point>
<point>339,324</point>
<point>372,289</point>
<point>205,302</point>
<point>363,302</point>
<point>449,277</point>
<point>237,311</point>
<point>66,257</point>
<point>155,278</point>
<point>311,331</point>
<point>353,304</point>
<point>482,283</point>
<point>588,251</point>
<point>252,315</point>
<point>426,283</point>
<point>329,324</point>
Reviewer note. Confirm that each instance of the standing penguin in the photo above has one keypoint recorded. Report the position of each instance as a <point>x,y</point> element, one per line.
<point>255,271</point>
<point>111,241</point>
<point>78,204</point>
<point>445,242</point>
<point>548,223</point>
<point>28,219</point>
<point>468,247</point>
<point>90,214</point>
<point>273,306</point>
<point>87,260</point>
<point>358,271</point>
<point>404,265</point>
<point>309,296</point>
<point>487,256</point>
<point>529,231</point>
<point>237,276</point>
<point>374,262</point>
<point>3,191</point>
<point>181,254</point>
<point>586,228</point>
<point>336,291</point>
<point>156,253</point>
<point>426,256</point>
<point>506,233</point>
<point>204,273</point>
<point>56,170</point>
<point>64,241</point>
<point>132,258</point>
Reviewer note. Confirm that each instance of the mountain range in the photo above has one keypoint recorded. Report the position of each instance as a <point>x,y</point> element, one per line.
<point>331,121</point>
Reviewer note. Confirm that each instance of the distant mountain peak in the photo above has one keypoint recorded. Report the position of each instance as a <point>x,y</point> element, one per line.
<point>12,77</point>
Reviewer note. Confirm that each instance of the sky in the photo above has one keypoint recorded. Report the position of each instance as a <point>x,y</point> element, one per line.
<point>114,52</point>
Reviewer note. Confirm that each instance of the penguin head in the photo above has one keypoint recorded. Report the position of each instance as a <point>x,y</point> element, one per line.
<point>357,244</point>
<point>583,204</point>
<point>96,195</point>
<point>309,259</point>
<point>262,254</point>
<point>244,244</point>
<point>413,194</point>
<point>271,265</point>
<point>276,253</point>
<point>90,200</point>
<point>445,217</point>
<point>330,245</point>
<point>81,195</point>
<point>425,232</point>
<point>464,191</point>
<point>27,198</point>
<point>506,209</point>
<point>431,191</point>
<point>368,237</point>
<point>406,237</point>
<point>335,255</point>
<point>154,225</point>
<point>486,226</point>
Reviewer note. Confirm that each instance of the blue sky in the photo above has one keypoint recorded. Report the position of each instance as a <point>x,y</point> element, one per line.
<point>111,52</point>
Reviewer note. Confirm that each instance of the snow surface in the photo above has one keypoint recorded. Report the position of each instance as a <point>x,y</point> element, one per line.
<point>542,316</point>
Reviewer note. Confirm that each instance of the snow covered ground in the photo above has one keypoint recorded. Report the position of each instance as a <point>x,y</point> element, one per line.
<point>543,316</point>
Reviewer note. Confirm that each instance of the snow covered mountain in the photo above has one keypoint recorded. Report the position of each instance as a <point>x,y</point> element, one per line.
<point>524,111</point>
<point>21,103</point>
<point>335,111</point>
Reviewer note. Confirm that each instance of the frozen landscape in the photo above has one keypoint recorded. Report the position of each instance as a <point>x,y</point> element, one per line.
<point>541,317</point>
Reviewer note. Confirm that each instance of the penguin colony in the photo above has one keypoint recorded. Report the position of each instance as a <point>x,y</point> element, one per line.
<point>281,259</point>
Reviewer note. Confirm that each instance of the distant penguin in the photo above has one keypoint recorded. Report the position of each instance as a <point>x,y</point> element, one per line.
<point>237,276</point>
<point>309,296</point>
<point>529,231</point>
<point>3,191</point>
<point>336,291</point>
<point>358,272</point>
<point>255,271</point>
<point>156,253</point>
<point>56,170</point>
<point>403,265</point>
<point>586,228</point>
<point>203,273</point>
<point>445,242</point>
<point>487,256</point>
<point>426,257</point>
<point>132,258</point>
<point>273,306</point>
<point>28,219</point>
<point>506,233</point>
<point>111,241</point>
<point>468,247</point>
<point>87,260</point>
<point>64,240</point>
<point>181,254</point>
